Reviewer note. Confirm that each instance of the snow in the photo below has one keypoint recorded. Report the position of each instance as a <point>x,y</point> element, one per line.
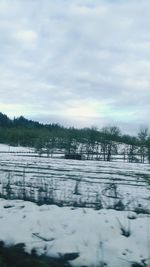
<point>77,182</point>
<point>95,235</point>
<point>7,148</point>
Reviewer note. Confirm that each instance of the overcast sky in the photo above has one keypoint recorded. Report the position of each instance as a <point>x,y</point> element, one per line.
<point>76,62</point>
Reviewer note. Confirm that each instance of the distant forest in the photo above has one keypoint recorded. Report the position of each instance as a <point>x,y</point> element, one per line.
<point>24,132</point>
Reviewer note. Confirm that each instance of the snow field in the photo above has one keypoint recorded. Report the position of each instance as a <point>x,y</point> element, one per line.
<point>95,235</point>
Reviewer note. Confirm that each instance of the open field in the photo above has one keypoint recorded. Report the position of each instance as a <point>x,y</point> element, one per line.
<point>97,211</point>
<point>75,183</point>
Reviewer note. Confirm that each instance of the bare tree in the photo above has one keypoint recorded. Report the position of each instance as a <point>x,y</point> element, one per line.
<point>111,134</point>
<point>142,137</point>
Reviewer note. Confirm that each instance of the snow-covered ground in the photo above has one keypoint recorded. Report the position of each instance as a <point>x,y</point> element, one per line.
<point>7,148</point>
<point>95,235</point>
<point>102,234</point>
<point>76,183</point>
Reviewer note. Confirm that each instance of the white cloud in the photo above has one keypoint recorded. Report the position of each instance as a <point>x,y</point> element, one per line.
<point>27,37</point>
<point>69,58</point>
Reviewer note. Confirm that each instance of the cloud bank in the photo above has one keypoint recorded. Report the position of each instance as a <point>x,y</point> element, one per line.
<point>76,62</point>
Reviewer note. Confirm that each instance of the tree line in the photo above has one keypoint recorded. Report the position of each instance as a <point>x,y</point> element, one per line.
<point>103,143</point>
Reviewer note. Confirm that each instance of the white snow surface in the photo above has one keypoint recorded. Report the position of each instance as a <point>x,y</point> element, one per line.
<point>7,148</point>
<point>94,181</point>
<point>95,235</point>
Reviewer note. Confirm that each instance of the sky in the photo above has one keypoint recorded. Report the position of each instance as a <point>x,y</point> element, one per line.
<point>79,63</point>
